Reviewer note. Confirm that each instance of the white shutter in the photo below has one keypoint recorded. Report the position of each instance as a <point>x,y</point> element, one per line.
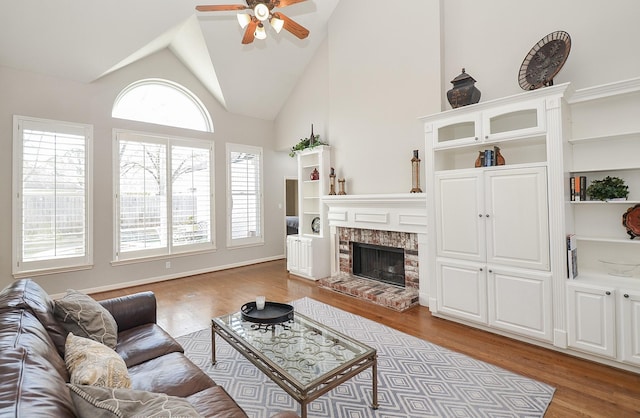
<point>245,195</point>
<point>52,208</point>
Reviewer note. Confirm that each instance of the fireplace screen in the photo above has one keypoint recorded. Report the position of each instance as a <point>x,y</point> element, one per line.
<point>384,264</point>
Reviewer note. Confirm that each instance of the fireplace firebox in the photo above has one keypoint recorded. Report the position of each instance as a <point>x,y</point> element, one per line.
<point>381,263</point>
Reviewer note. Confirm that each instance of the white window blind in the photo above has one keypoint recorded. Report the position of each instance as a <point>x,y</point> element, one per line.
<point>52,207</point>
<point>244,195</point>
<point>164,195</point>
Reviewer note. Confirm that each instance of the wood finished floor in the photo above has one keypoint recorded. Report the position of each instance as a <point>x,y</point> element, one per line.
<point>583,388</point>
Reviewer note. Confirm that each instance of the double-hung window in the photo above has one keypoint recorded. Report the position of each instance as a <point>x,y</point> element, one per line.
<point>164,195</point>
<point>52,212</point>
<point>244,195</point>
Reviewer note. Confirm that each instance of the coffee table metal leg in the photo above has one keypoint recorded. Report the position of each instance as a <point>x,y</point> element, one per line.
<point>374,372</point>
<point>213,345</point>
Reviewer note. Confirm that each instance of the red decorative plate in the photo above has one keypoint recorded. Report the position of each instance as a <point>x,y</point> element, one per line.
<point>631,221</point>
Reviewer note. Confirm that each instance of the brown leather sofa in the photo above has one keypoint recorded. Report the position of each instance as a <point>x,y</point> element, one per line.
<point>33,375</point>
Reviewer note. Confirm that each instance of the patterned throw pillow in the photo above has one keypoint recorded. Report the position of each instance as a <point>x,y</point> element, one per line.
<point>92,363</point>
<point>97,402</point>
<point>82,315</point>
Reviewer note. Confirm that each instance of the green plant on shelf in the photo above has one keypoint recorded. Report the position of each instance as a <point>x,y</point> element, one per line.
<point>608,188</point>
<point>306,143</point>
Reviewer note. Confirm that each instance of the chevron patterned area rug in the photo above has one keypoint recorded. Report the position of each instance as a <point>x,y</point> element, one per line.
<point>415,378</point>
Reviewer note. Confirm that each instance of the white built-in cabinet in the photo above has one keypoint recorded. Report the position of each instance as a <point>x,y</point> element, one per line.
<point>308,251</point>
<point>498,258</point>
<point>490,225</point>
<point>604,310</point>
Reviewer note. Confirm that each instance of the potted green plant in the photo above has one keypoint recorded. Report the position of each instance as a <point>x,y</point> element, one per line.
<point>311,142</point>
<point>608,188</point>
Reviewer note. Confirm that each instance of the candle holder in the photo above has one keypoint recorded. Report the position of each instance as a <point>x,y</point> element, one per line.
<point>415,172</point>
<point>341,184</point>
<point>332,182</point>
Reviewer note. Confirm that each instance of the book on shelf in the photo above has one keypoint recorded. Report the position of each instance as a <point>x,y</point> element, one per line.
<point>572,257</point>
<point>572,188</point>
<point>578,188</point>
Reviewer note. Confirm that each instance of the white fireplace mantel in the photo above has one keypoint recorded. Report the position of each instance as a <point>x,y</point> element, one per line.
<point>404,212</point>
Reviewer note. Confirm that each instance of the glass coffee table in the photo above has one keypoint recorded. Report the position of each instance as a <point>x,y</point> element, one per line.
<point>305,358</point>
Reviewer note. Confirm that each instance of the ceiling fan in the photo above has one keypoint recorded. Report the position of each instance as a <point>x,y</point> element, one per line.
<point>262,11</point>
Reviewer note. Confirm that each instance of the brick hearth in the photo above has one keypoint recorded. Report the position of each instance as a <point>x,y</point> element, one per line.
<point>393,297</point>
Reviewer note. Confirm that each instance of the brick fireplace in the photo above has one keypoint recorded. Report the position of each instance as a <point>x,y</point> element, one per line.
<point>394,221</point>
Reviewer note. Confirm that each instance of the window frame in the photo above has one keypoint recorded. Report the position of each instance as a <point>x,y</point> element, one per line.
<point>170,250</point>
<point>20,268</point>
<point>259,238</point>
<point>186,93</point>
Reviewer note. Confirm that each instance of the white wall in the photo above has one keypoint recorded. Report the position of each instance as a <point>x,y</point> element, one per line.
<point>307,104</point>
<point>380,73</point>
<point>37,96</point>
<point>491,38</point>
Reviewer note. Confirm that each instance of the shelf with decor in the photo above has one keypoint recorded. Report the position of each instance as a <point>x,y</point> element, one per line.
<point>308,251</point>
<point>603,300</point>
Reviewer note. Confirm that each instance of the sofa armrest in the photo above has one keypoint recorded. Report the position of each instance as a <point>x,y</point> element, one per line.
<point>132,310</point>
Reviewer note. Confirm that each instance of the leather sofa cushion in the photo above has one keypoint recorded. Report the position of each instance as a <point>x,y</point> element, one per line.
<point>29,388</point>
<point>143,343</point>
<point>27,294</point>
<point>172,374</point>
<point>84,317</point>
<point>20,328</point>
<point>216,402</point>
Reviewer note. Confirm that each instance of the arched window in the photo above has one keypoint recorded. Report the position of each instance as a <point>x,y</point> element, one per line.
<point>162,102</point>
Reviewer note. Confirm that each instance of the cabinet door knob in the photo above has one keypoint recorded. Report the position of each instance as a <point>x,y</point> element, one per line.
<point>480,268</point>
<point>487,215</point>
<point>476,138</point>
<point>486,137</point>
<point>479,215</point>
<point>607,293</point>
<point>490,271</point>
<point>626,295</point>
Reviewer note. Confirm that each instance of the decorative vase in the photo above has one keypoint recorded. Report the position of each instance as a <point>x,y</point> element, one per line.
<point>464,91</point>
<point>332,182</point>
<point>341,183</point>
<point>415,173</point>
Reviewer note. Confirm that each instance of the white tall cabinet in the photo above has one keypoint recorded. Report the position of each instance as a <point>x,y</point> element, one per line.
<point>308,251</point>
<point>495,262</point>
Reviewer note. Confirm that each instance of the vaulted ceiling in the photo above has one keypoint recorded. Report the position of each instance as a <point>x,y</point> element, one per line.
<point>85,40</point>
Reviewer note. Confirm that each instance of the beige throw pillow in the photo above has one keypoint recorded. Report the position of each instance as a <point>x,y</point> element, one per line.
<point>97,402</point>
<point>82,315</point>
<point>92,363</point>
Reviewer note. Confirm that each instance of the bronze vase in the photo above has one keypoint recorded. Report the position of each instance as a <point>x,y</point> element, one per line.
<point>464,91</point>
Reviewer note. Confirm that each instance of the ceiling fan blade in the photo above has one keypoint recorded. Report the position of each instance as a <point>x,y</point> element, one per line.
<point>220,8</point>
<point>249,33</point>
<point>293,27</point>
<point>285,3</point>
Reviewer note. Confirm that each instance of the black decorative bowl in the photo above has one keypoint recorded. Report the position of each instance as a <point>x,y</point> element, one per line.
<point>273,313</point>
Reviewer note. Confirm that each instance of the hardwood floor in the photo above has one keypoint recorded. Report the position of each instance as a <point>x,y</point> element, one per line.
<point>583,388</point>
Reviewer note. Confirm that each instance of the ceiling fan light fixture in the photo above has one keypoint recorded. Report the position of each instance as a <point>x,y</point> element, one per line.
<point>244,19</point>
<point>261,11</point>
<point>277,24</point>
<point>260,32</point>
